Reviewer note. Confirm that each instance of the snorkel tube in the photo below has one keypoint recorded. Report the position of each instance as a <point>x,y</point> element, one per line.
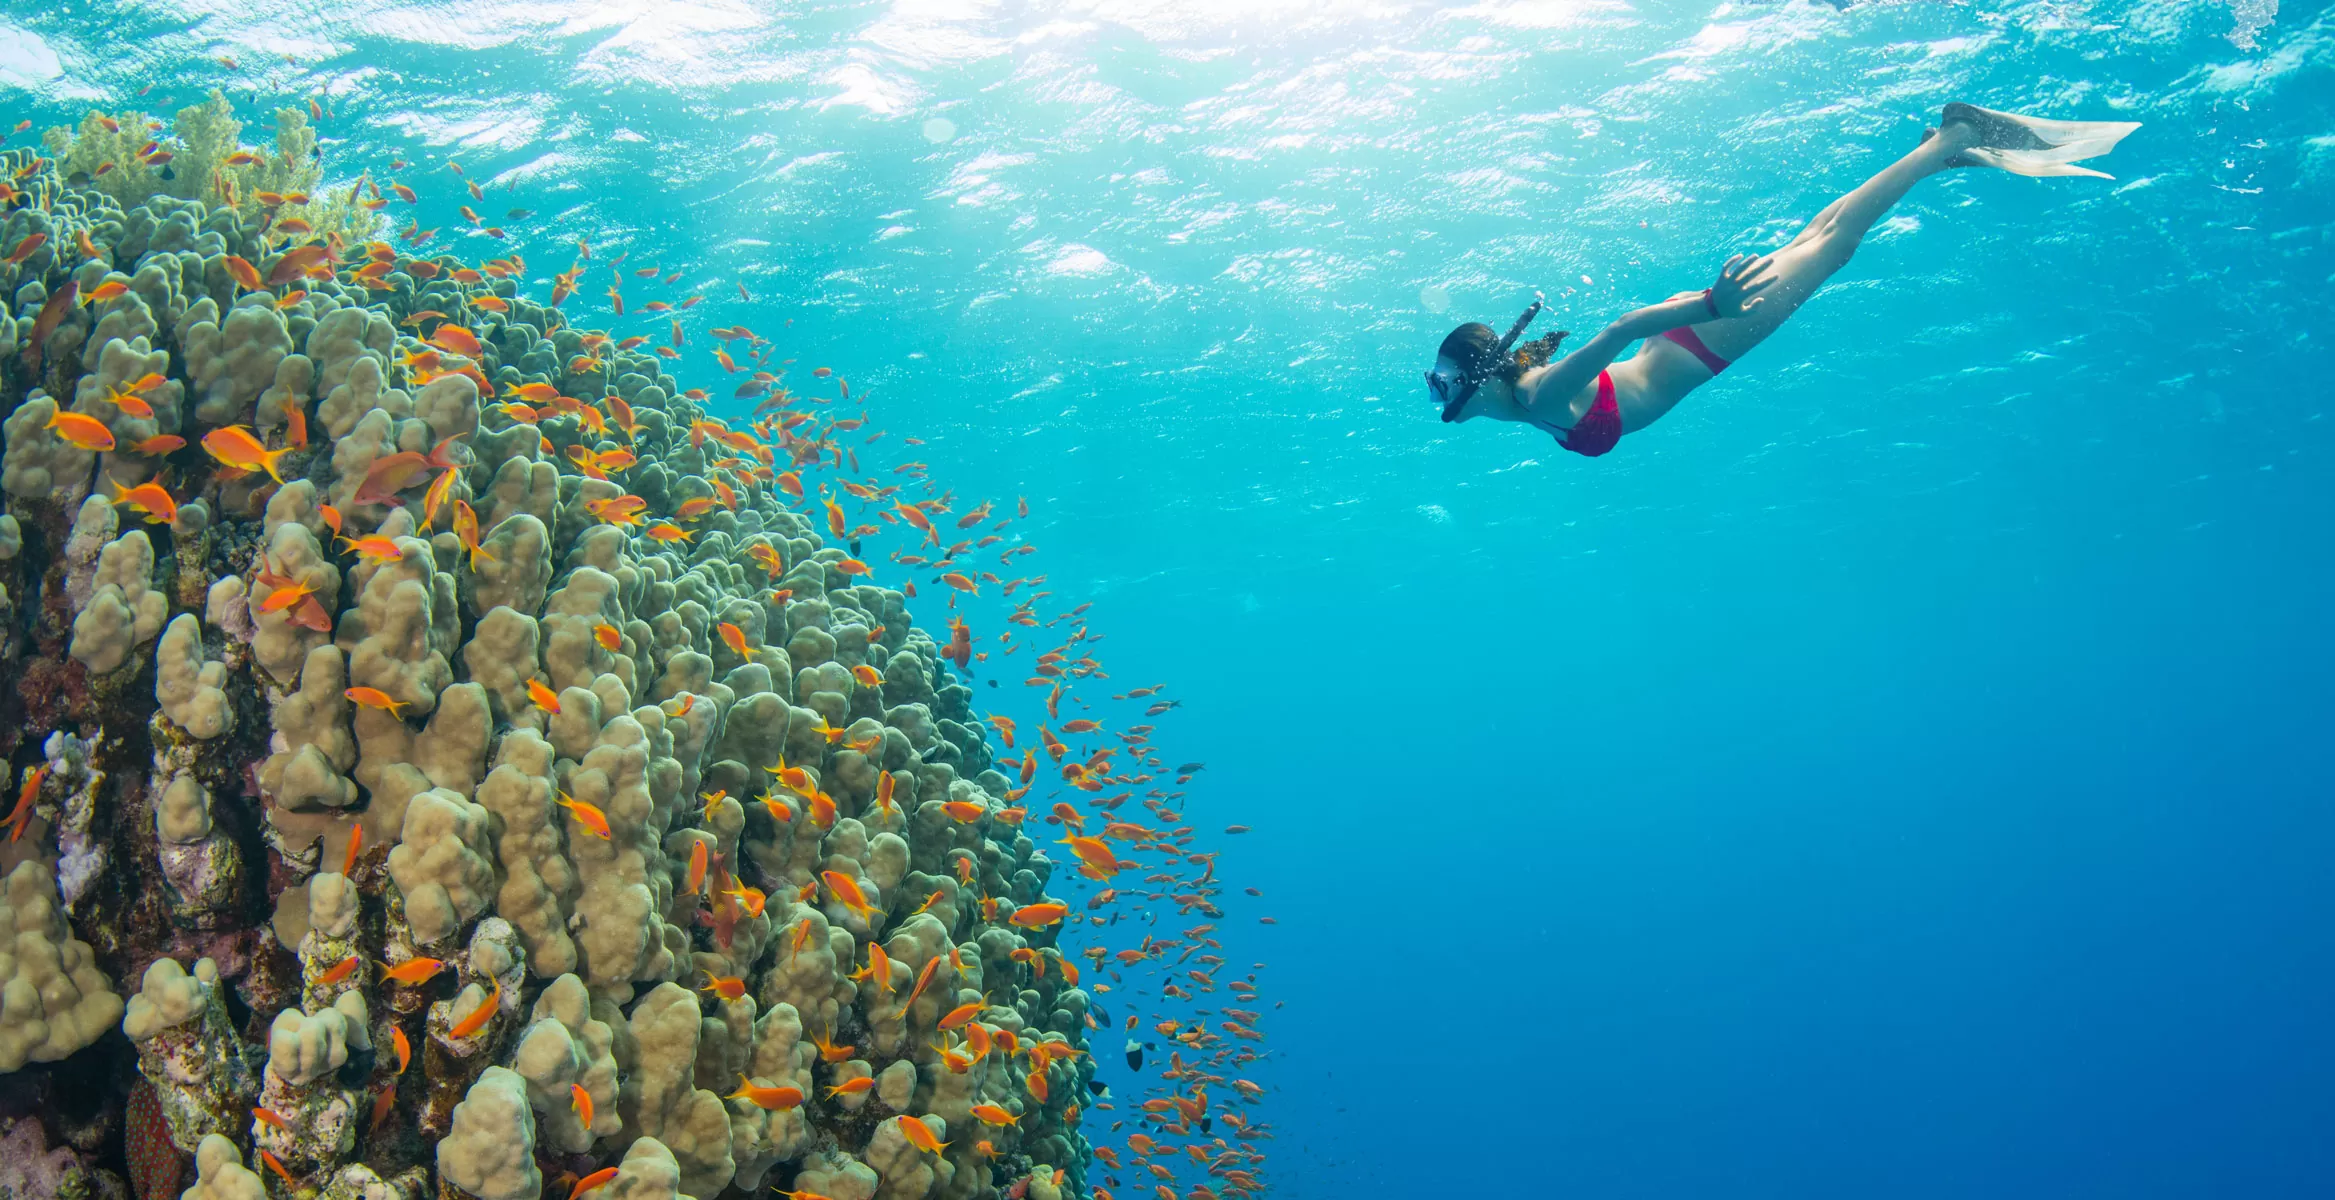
<point>1477,372</point>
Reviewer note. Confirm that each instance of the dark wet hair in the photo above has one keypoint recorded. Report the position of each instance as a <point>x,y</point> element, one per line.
<point>1476,348</point>
<point>1483,355</point>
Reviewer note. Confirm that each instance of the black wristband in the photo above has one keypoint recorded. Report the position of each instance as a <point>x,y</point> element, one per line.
<point>1711,304</point>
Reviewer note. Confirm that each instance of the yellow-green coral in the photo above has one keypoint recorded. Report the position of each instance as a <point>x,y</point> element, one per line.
<point>202,140</point>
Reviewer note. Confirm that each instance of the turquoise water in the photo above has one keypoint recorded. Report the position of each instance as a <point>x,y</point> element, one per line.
<point>1900,772</point>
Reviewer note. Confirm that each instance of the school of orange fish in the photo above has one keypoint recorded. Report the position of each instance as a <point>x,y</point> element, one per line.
<point>1189,1124</point>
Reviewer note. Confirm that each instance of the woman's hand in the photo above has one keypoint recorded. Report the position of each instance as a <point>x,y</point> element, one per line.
<point>1740,282</point>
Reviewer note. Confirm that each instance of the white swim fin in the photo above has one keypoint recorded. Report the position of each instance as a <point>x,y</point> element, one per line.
<point>2034,146</point>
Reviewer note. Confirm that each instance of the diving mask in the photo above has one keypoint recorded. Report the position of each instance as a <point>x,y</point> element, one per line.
<point>1453,391</point>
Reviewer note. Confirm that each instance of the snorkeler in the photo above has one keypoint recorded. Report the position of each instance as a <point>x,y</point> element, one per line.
<point>1589,401</point>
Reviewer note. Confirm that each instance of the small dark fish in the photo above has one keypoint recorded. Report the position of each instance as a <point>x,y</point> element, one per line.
<point>52,313</point>
<point>993,683</point>
<point>855,547</point>
<point>519,214</point>
<point>167,172</point>
<point>1134,1055</point>
<point>1189,768</point>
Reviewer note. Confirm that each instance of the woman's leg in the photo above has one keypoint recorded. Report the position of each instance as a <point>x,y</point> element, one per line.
<point>1826,245</point>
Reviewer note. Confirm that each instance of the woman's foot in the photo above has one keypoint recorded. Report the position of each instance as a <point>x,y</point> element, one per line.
<point>1949,141</point>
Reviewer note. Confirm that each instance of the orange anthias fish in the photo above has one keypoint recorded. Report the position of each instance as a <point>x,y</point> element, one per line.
<point>456,339</point>
<point>295,422</point>
<point>772,1099</point>
<point>920,1135</point>
<point>243,273</point>
<point>374,549</point>
<point>581,1100</point>
<point>735,639</point>
<point>607,636</point>
<point>278,1168</point>
<point>372,697</point>
<point>465,524</point>
<point>852,1087</point>
<point>587,815</point>
<point>1095,856</point>
<point>596,1179</point>
<point>479,1016</point>
<point>269,1116</point>
<point>149,498</point>
<point>435,498</point>
<point>391,474</point>
<point>728,987</point>
<point>846,890</point>
<point>82,430</point>
<point>750,899</point>
<point>404,1048</point>
<point>339,971</point>
<point>698,860</point>
<point>1034,916</point>
<point>239,448</point>
<point>829,1052</point>
<point>413,970</point>
<point>923,978</point>
<point>542,697</point>
<point>296,262</point>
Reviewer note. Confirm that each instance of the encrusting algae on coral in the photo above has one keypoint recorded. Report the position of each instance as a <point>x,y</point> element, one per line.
<point>472,691</point>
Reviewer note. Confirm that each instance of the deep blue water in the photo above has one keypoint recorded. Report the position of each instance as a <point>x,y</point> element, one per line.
<point>1901,772</point>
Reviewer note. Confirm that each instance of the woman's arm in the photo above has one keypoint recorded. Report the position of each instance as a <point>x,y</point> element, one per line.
<point>1558,383</point>
<point>1548,393</point>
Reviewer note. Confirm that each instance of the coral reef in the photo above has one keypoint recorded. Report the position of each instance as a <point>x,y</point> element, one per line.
<point>530,780</point>
<point>201,1070</point>
<point>201,160</point>
<point>53,999</point>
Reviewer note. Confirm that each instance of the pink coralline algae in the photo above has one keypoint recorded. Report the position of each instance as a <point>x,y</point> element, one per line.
<point>28,1168</point>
